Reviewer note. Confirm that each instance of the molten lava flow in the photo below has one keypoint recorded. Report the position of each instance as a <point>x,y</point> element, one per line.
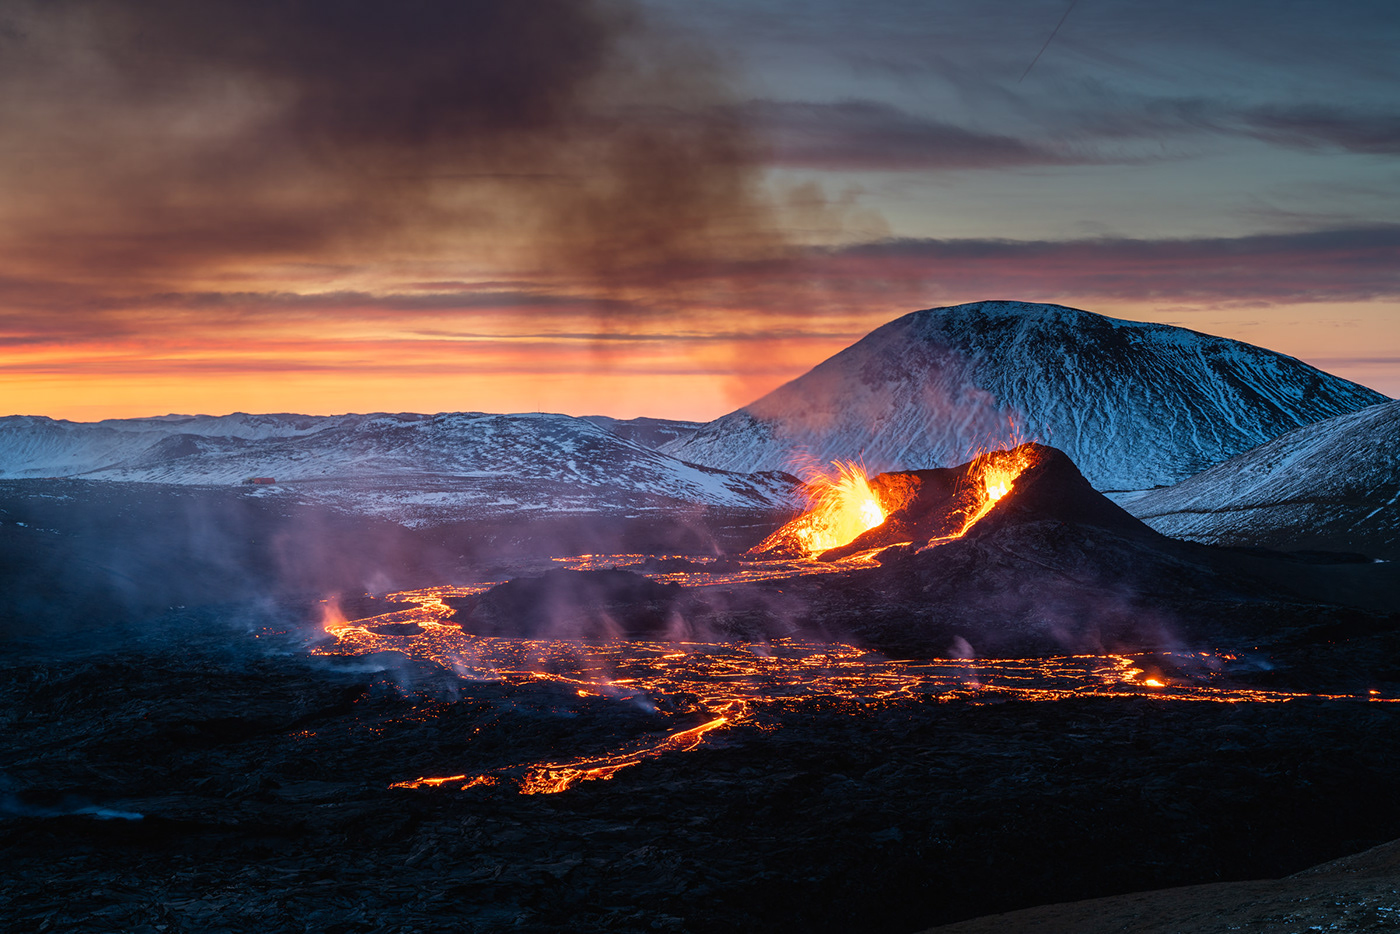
<point>555,777</point>
<point>710,687</point>
<point>840,506</point>
<point>990,476</point>
<point>993,474</point>
<point>869,515</point>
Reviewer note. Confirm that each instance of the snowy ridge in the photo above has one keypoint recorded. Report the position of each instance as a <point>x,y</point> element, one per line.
<point>35,446</point>
<point>648,432</point>
<point>414,468</point>
<point>1135,405</point>
<point>1334,485</point>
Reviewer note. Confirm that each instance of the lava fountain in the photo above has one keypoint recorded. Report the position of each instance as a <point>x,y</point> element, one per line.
<point>841,505</point>
<point>989,477</point>
<point>849,511</point>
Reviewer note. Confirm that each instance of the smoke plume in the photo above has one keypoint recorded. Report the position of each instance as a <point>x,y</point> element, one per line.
<point>160,140</point>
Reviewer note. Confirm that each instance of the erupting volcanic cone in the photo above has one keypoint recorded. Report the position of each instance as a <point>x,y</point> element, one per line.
<point>925,508</point>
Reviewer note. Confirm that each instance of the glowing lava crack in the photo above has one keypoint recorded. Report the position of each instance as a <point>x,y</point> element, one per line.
<point>727,684</point>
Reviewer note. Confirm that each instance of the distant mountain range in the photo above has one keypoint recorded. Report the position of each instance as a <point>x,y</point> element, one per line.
<point>414,469</point>
<point>1332,486</point>
<point>1135,405</point>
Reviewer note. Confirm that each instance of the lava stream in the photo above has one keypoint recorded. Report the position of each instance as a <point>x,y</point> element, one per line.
<point>722,685</point>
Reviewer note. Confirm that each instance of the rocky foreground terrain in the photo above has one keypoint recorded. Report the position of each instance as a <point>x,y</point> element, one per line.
<point>1354,893</point>
<point>205,780</point>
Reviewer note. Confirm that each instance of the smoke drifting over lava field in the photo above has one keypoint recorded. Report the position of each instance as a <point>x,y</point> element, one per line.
<point>542,673</point>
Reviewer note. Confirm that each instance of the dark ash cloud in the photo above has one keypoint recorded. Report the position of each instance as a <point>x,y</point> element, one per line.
<point>148,139</point>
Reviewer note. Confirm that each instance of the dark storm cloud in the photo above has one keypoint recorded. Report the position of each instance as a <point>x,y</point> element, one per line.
<point>156,136</point>
<point>869,135</point>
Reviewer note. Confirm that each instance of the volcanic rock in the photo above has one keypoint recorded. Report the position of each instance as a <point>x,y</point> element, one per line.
<point>1135,405</point>
<point>933,504</point>
<point>98,556</point>
<point>1351,894</point>
<point>577,605</point>
<point>1332,486</point>
<point>263,783</point>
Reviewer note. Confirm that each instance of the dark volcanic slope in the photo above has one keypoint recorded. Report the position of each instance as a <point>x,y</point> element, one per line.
<point>1055,567</point>
<point>1330,486</point>
<point>939,501</point>
<point>1135,405</point>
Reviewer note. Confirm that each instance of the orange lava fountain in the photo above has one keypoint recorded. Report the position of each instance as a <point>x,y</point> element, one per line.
<point>840,506</point>
<point>845,503</point>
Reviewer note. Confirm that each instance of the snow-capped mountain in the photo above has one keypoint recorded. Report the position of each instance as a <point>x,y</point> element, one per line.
<point>648,432</point>
<point>1135,405</point>
<point>417,469</point>
<point>1334,485</point>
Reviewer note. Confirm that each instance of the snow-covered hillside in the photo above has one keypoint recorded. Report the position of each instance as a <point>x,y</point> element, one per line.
<point>414,468</point>
<point>1134,405</point>
<point>648,432</point>
<point>1334,485</point>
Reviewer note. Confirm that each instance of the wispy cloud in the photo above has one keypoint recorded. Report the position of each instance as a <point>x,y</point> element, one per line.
<point>1316,126</point>
<point>864,135</point>
<point>763,300</point>
<point>1329,265</point>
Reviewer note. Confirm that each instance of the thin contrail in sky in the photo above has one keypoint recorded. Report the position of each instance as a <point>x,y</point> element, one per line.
<point>1047,42</point>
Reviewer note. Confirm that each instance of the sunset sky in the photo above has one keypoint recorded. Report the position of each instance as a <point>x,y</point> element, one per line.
<point>665,208</point>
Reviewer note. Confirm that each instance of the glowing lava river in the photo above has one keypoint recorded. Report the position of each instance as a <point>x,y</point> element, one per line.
<point>697,689</point>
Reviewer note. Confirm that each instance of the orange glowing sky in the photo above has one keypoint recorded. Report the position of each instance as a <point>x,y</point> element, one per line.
<point>296,366</point>
<point>621,207</point>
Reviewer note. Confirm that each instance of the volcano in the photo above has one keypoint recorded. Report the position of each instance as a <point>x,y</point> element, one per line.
<point>1135,405</point>
<point>1047,565</point>
<point>1013,553</point>
<point>924,508</point>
